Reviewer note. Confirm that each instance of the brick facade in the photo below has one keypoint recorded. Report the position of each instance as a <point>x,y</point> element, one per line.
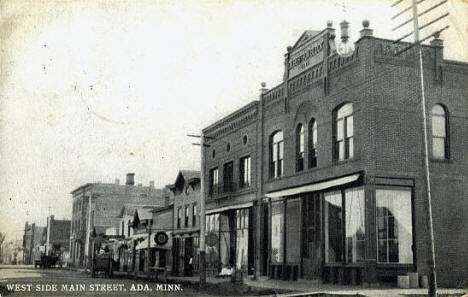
<point>387,156</point>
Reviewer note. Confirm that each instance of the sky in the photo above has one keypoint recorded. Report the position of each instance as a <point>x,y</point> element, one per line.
<point>92,90</point>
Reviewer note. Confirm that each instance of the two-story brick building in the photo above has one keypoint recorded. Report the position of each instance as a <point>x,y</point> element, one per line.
<point>97,206</point>
<point>335,176</point>
<point>57,236</point>
<point>33,237</point>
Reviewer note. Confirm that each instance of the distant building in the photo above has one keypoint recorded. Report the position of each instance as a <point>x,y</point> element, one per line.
<point>97,206</point>
<point>58,236</point>
<point>33,236</point>
<point>186,196</point>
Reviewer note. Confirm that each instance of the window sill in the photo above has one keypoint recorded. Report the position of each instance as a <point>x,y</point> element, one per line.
<point>441,160</point>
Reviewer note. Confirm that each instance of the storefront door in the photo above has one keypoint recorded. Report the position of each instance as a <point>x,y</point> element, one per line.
<point>188,256</point>
<point>311,237</point>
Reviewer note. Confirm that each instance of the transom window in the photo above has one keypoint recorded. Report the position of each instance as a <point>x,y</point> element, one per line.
<point>440,139</point>
<point>276,154</point>
<point>312,143</point>
<point>300,147</point>
<point>343,132</point>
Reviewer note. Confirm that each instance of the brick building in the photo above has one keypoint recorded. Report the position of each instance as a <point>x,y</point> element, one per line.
<point>333,161</point>
<point>57,236</point>
<point>103,203</point>
<point>186,197</point>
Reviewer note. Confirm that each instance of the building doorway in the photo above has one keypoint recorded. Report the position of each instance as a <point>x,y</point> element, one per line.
<point>188,256</point>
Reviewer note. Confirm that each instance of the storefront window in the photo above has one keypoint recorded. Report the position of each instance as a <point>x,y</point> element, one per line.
<point>355,225</point>
<point>394,226</point>
<point>333,227</point>
<point>242,238</point>
<point>212,241</point>
<point>293,232</point>
<point>227,243</point>
<point>277,233</point>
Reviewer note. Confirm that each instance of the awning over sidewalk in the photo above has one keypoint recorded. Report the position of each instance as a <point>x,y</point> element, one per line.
<point>237,206</point>
<point>315,186</point>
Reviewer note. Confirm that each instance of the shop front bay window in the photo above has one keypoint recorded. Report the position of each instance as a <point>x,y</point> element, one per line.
<point>394,226</point>
<point>349,225</point>
<point>277,233</point>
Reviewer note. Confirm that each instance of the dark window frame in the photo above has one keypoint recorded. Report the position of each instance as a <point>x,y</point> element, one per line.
<point>300,147</point>
<point>313,130</point>
<point>348,140</point>
<point>276,160</point>
<point>446,138</point>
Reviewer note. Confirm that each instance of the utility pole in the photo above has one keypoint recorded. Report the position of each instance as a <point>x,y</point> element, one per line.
<point>202,249</point>
<point>432,290</point>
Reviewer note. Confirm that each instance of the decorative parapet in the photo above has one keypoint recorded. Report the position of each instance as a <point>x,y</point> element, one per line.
<point>273,95</point>
<point>335,62</point>
<point>387,51</point>
<point>234,121</point>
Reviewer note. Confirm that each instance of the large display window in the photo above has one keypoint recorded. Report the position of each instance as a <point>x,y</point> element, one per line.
<point>345,217</point>
<point>394,226</point>
<point>277,232</point>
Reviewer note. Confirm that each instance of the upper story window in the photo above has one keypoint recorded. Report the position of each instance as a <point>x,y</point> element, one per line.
<point>245,172</point>
<point>300,147</point>
<point>228,177</point>
<point>343,132</point>
<point>276,154</point>
<point>440,139</point>
<point>312,143</point>
<point>186,220</point>
<point>213,181</point>
<point>194,214</point>
<point>179,216</point>
<point>128,227</point>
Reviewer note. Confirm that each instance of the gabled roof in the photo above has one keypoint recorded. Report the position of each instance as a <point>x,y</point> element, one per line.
<point>190,176</point>
<point>144,213</point>
<point>306,36</point>
<point>129,209</point>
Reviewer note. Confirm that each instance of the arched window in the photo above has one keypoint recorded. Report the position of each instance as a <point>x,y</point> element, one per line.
<point>343,132</point>
<point>300,147</point>
<point>276,154</point>
<point>312,143</point>
<point>440,139</point>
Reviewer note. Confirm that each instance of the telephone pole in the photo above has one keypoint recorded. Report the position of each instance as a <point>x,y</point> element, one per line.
<point>202,249</point>
<point>432,290</point>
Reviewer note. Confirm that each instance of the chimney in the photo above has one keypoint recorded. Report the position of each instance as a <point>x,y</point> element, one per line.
<point>152,184</point>
<point>117,181</point>
<point>365,30</point>
<point>130,179</point>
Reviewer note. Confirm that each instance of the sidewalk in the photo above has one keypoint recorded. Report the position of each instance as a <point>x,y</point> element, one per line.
<point>315,288</point>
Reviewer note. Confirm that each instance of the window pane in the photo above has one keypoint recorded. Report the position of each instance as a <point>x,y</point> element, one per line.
<point>438,126</point>
<point>355,225</point>
<point>293,234</point>
<point>438,147</point>
<point>438,110</point>
<point>349,126</point>
<point>345,110</point>
<point>341,150</point>
<point>314,135</point>
<point>395,229</point>
<point>350,147</point>
<point>333,227</point>
<point>274,152</point>
<point>280,149</point>
<point>339,129</point>
<point>277,229</point>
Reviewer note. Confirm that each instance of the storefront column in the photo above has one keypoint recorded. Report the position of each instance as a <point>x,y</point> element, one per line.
<point>369,274</point>
<point>269,240</point>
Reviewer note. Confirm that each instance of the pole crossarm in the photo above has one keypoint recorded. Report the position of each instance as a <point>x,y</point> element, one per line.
<point>422,40</point>
<point>422,27</point>
<point>405,10</point>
